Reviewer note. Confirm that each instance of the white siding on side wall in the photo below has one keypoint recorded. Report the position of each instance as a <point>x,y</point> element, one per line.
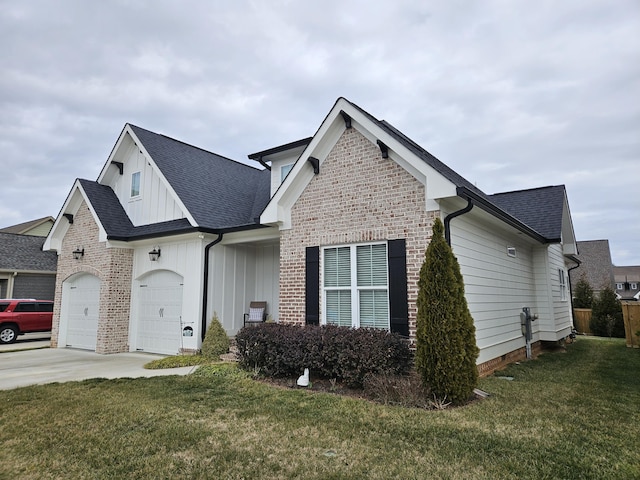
<point>239,274</point>
<point>497,285</point>
<point>155,202</point>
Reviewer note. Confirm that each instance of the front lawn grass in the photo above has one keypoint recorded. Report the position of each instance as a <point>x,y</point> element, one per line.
<point>566,415</point>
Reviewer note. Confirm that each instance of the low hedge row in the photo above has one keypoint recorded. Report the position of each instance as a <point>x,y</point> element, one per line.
<point>346,354</point>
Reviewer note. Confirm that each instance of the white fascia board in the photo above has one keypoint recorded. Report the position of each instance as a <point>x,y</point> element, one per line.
<point>279,208</point>
<point>102,233</point>
<point>163,179</point>
<point>258,235</point>
<point>61,225</point>
<point>104,174</point>
<point>436,185</point>
<point>569,243</point>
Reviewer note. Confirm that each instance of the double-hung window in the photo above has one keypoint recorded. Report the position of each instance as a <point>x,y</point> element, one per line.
<point>356,286</point>
<point>562,279</point>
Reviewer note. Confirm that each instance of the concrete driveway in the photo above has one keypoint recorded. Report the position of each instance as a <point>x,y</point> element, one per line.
<point>28,341</point>
<point>47,365</point>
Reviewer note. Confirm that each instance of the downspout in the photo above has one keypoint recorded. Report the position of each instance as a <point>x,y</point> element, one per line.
<point>205,285</point>
<point>451,216</point>
<point>578,263</point>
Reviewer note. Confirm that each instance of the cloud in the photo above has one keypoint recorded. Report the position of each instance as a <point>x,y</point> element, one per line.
<point>510,95</point>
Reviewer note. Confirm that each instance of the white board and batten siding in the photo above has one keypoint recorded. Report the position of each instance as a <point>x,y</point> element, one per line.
<point>156,203</point>
<point>497,285</point>
<point>185,258</point>
<point>239,274</point>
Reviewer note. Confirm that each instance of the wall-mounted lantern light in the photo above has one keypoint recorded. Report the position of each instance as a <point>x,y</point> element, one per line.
<point>154,254</point>
<point>78,254</point>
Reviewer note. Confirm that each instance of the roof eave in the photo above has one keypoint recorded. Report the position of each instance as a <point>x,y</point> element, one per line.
<point>281,148</point>
<point>182,231</point>
<point>497,212</point>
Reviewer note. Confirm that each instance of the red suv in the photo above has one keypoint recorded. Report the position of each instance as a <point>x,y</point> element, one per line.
<point>20,315</point>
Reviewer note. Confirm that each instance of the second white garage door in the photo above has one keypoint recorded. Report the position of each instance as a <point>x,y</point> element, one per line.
<point>83,297</point>
<point>160,313</point>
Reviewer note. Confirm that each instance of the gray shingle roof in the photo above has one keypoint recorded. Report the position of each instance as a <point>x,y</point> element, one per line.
<point>25,226</point>
<point>218,192</point>
<point>539,208</point>
<point>115,220</point>
<point>596,266</point>
<point>24,252</point>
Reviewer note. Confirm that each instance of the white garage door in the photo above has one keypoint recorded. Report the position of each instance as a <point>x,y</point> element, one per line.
<point>83,311</point>
<point>160,312</point>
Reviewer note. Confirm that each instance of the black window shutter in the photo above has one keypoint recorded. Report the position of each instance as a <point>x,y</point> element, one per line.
<point>398,304</point>
<point>312,286</point>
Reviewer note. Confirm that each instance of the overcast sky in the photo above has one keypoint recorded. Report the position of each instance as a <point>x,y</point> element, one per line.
<point>511,94</point>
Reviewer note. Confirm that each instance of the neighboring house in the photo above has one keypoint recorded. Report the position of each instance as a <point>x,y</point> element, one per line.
<point>595,265</point>
<point>334,230</point>
<point>39,227</point>
<point>627,281</point>
<point>25,270</point>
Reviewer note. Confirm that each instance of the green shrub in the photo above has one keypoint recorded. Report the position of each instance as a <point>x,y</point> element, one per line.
<point>216,341</point>
<point>346,354</point>
<point>446,348</point>
<point>583,297</point>
<point>606,315</point>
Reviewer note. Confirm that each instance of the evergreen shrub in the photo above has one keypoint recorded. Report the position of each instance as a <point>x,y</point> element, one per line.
<point>583,295</point>
<point>606,315</point>
<point>446,348</point>
<point>330,352</point>
<point>216,342</point>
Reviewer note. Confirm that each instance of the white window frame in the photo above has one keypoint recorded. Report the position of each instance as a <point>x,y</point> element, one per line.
<point>354,288</point>
<point>562,280</point>
<point>634,286</point>
<point>134,193</point>
<point>284,171</point>
<point>619,286</point>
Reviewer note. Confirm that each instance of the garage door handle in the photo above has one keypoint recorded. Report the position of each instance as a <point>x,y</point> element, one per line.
<point>161,312</point>
<point>86,311</point>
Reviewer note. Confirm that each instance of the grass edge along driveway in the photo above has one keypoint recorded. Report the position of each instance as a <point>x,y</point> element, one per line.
<point>566,415</point>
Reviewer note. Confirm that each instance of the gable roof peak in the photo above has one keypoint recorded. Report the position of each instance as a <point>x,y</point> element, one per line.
<point>136,128</point>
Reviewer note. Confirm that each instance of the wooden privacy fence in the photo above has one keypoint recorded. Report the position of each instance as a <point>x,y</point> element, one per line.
<point>631,312</point>
<point>581,319</point>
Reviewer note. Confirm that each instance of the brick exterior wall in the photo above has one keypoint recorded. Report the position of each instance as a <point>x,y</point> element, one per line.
<point>113,266</point>
<point>357,197</point>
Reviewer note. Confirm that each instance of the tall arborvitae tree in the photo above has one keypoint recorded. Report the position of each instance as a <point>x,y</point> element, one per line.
<point>606,315</point>
<point>446,349</point>
<point>583,297</point>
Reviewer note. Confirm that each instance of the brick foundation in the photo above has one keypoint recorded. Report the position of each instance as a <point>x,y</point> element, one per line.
<point>487,368</point>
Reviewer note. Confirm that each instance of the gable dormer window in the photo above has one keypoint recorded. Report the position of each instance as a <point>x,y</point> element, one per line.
<point>135,184</point>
